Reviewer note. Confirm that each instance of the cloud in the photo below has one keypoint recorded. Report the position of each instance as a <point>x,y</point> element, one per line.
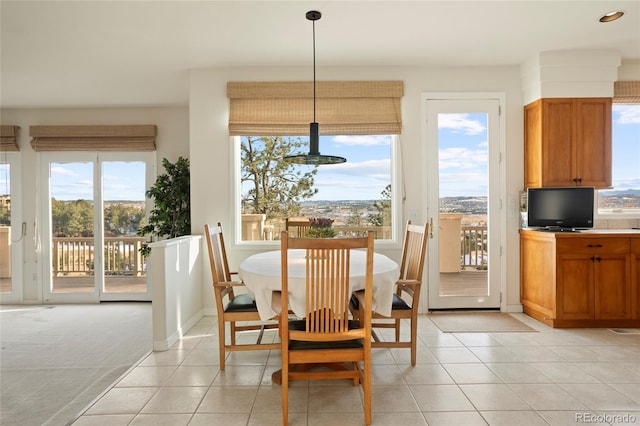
<point>57,170</point>
<point>460,123</point>
<point>362,140</point>
<point>627,114</point>
<point>361,168</point>
<point>462,158</point>
<point>626,183</point>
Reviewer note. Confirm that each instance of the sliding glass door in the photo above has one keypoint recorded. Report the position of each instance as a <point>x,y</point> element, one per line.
<point>93,204</point>
<point>12,229</point>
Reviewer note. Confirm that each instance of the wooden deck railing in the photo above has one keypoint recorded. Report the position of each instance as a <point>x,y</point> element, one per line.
<point>76,256</point>
<point>473,247</point>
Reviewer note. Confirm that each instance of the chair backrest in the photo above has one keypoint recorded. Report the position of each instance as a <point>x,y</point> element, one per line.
<point>328,263</point>
<point>217,254</point>
<point>297,226</point>
<point>413,252</point>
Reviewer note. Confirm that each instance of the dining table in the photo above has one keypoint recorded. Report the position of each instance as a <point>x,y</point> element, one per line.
<point>261,274</point>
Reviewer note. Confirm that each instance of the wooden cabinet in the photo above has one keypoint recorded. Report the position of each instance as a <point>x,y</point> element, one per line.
<point>567,142</point>
<point>635,277</point>
<point>585,279</point>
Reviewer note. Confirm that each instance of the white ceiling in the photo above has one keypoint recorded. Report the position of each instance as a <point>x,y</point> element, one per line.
<point>108,53</point>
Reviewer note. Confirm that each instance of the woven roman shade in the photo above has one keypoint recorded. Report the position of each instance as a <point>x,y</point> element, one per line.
<point>8,138</point>
<point>93,138</point>
<point>342,107</point>
<point>626,92</point>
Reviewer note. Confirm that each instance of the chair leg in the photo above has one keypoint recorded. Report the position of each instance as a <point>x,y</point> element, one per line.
<point>221,342</point>
<point>232,326</point>
<point>397,327</point>
<point>366,390</point>
<point>414,337</point>
<point>356,367</point>
<point>285,394</point>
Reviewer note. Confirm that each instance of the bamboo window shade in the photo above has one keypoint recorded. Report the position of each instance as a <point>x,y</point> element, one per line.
<point>626,92</point>
<point>342,107</point>
<point>9,138</point>
<point>94,138</point>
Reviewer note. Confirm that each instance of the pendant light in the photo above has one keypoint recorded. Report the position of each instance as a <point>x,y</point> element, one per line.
<point>314,157</point>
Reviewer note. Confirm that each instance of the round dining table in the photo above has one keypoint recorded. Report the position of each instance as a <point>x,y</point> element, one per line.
<point>261,274</point>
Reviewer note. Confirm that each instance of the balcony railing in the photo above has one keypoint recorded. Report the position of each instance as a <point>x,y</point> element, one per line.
<point>76,256</point>
<point>473,247</point>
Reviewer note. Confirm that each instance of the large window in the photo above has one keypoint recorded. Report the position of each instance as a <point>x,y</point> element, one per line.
<point>623,200</point>
<point>355,196</point>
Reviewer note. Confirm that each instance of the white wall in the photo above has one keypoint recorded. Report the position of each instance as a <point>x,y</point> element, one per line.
<point>172,141</point>
<point>210,149</point>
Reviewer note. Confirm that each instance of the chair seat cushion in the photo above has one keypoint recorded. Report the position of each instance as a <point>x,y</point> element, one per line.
<point>306,345</point>
<point>242,303</point>
<point>397,303</point>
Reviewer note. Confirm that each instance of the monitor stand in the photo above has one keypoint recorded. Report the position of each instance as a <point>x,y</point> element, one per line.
<point>559,229</point>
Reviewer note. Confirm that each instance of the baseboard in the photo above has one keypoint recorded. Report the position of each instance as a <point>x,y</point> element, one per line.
<point>165,344</point>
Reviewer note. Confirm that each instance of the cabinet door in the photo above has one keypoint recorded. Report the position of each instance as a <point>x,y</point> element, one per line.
<point>635,278</point>
<point>575,289</point>
<point>592,142</point>
<point>612,286</point>
<point>558,147</point>
<point>533,145</point>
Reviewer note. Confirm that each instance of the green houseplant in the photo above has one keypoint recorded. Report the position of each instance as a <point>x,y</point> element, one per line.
<point>320,227</point>
<point>171,214</point>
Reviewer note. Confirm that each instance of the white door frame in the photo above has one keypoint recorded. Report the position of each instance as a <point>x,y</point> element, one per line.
<point>498,219</point>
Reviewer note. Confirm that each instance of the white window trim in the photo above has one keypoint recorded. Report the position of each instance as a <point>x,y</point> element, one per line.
<point>397,194</point>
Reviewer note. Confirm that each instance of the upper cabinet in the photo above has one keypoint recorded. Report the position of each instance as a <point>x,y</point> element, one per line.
<point>567,142</point>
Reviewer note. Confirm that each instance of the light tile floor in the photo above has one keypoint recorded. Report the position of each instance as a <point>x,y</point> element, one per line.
<point>549,377</point>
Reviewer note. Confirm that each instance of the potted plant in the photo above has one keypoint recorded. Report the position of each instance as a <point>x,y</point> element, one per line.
<point>171,214</point>
<point>320,227</point>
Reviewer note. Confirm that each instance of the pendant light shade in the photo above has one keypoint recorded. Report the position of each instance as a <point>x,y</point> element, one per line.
<point>314,157</point>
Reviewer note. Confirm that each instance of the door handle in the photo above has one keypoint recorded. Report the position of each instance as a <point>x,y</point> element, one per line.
<point>431,228</point>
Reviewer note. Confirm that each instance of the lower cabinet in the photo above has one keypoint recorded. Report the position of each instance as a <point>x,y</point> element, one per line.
<point>635,274</point>
<point>580,279</point>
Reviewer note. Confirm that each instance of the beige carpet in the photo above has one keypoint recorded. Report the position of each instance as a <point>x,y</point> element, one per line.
<point>55,360</point>
<point>477,322</point>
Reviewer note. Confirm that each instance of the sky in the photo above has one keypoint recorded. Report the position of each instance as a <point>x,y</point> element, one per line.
<point>367,170</point>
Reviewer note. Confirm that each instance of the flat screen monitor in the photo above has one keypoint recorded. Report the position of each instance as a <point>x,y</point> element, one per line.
<point>560,207</point>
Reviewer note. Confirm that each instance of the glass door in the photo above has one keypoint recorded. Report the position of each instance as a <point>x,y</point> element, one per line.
<point>463,196</point>
<point>94,204</point>
<point>12,229</point>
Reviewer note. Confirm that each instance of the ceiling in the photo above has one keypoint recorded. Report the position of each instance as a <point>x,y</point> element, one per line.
<point>138,53</point>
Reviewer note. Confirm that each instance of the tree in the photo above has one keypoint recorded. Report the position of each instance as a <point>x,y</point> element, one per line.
<point>5,215</point>
<point>171,214</point>
<point>121,219</point>
<point>354,218</point>
<point>275,186</point>
<point>383,207</point>
<point>72,218</point>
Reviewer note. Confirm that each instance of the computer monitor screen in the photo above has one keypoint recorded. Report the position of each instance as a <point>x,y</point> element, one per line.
<point>560,207</point>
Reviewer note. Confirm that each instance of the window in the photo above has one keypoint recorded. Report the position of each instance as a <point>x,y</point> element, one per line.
<point>623,200</point>
<point>269,120</point>
<point>359,195</point>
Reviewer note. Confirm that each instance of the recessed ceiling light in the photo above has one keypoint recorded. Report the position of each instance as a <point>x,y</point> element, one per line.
<point>611,16</point>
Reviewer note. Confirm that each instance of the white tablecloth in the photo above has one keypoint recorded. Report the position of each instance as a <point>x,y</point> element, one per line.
<point>261,274</point>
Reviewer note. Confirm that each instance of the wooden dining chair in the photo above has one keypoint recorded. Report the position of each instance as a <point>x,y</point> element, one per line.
<point>297,226</point>
<point>326,335</point>
<point>232,306</point>
<point>403,307</point>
